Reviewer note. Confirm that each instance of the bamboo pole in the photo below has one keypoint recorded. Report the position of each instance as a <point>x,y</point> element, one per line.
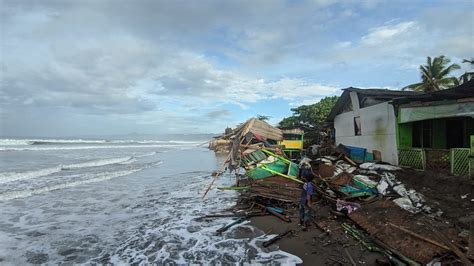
<point>217,175</point>
<point>280,174</point>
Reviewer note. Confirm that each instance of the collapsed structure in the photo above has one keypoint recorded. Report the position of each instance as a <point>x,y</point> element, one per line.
<point>378,209</point>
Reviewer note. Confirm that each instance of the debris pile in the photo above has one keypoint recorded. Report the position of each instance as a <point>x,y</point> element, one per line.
<point>371,204</point>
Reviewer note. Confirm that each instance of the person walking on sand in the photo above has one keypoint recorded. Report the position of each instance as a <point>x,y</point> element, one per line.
<point>305,201</point>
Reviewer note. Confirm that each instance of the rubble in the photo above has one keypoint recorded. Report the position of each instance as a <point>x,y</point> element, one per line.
<point>376,208</point>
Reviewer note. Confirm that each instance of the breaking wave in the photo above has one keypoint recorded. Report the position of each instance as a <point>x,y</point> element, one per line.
<point>15,176</point>
<point>97,178</point>
<point>54,148</point>
<point>21,142</point>
<point>96,163</point>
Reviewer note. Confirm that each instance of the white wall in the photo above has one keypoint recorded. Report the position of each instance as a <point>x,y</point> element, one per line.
<point>377,129</point>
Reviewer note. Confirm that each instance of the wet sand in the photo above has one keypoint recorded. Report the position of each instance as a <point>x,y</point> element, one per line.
<point>315,247</point>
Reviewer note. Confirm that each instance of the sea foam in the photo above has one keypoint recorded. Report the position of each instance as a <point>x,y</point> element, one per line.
<point>16,176</point>
<point>95,178</point>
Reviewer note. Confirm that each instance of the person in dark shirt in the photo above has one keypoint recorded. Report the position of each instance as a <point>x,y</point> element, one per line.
<point>305,200</point>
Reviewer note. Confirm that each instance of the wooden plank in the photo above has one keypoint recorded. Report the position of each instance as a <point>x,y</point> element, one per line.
<point>374,218</point>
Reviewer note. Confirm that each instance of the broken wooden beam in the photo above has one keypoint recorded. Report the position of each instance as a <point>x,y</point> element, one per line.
<point>276,238</point>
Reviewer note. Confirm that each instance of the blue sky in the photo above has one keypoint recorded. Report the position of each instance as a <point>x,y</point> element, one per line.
<point>154,67</point>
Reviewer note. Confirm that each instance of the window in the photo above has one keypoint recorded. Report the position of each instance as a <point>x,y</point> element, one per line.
<point>357,129</point>
<point>287,136</point>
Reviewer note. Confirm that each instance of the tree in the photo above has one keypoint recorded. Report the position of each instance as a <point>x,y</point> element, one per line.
<point>289,122</point>
<point>310,115</point>
<point>263,117</point>
<point>435,75</point>
<point>467,75</point>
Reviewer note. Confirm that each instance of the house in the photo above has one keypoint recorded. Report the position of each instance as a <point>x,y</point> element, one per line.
<point>435,129</point>
<point>293,140</point>
<point>365,118</point>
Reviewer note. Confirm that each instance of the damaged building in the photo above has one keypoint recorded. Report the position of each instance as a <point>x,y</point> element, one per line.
<point>420,130</point>
<point>435,129</point>
<point>365,118</point>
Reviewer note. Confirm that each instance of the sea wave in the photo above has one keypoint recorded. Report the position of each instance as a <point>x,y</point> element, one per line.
<point>21,142</point>
<point>58,148</point>
<point>96,163</point>
<point>15,176</point>
<point>7,177</point>
<point>17,142</point>
<point>96,178</point>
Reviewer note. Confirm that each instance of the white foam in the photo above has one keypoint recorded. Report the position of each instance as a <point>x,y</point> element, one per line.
<point>19,142</point>
<point>145,154</point>
<point>15,176</point>
<point>97,163</point>
<point>97,178</point>
<point>8,142</point>
<point>54,148</point>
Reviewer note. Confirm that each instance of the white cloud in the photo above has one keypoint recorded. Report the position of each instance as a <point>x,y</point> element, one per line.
<point>153,60</point>
<point>388,33</point>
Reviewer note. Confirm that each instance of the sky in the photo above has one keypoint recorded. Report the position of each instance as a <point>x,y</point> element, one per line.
<point>99,67</point>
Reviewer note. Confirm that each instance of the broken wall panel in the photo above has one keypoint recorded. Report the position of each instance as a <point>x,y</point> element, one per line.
<point>383,220</point>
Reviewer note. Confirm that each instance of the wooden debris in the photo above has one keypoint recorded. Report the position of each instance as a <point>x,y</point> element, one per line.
<point>224,228</point>
<point>420,236</point>
<point>276,238</point>
<point>465,260</point>
<point>349,160</point>
<point>350,257</point>
<point>374,218</point>
<point>280,216</point>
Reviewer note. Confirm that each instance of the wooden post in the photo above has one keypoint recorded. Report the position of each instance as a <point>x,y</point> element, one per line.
<point>471,238</point>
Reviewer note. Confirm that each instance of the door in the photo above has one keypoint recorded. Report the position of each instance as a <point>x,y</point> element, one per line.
<point>455,133</point>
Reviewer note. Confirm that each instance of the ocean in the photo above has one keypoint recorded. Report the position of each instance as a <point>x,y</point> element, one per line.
<point>79,201</point>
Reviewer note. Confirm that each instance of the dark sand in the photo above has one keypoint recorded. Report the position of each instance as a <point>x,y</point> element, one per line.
<point>314,246</point>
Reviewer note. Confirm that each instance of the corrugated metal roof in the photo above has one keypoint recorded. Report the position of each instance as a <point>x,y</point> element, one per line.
<point>465,90</point>
<point>381,94</point>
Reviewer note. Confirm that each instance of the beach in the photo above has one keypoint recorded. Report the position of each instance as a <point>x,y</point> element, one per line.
<point>82,201</point>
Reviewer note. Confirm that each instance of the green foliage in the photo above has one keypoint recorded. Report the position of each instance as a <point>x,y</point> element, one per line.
<point>435,75</point>
<point>467,75</point>
<point>289,122</point>
<point>263,117</point>
<point>309,115</point>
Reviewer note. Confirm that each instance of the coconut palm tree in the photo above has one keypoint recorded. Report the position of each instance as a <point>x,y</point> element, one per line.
<point>468,75</point>
<point>435,75</point>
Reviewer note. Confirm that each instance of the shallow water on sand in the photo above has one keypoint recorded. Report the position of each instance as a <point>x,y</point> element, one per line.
<point>123,202</point>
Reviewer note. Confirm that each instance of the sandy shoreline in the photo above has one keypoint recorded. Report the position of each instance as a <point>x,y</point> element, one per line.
<point>314,247</point>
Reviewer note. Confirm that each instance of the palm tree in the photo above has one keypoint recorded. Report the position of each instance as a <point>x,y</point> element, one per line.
<point>434,75</point>
<point>468,75</point>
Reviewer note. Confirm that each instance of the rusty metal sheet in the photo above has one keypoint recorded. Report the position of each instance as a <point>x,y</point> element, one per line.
<point>325,170</point>
<point>341,179</point>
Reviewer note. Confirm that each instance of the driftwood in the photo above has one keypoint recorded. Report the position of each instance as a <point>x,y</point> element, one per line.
<point>276,238</point>
<point>224,228</point>
<point>250,214</point>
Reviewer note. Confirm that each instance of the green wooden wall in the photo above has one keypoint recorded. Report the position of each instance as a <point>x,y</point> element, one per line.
<point>404,135</point>
<point>439,134</point>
